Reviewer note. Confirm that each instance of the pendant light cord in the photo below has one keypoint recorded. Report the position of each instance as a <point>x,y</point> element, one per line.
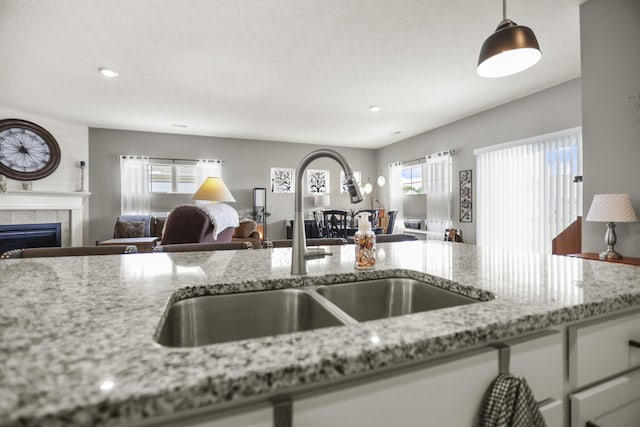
<point>504,10</point>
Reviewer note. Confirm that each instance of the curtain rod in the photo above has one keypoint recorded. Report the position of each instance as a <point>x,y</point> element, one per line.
<point>424,159</point>
<point>119,156</point>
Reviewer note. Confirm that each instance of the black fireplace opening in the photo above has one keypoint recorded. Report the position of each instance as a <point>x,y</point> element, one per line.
<point>20,236</point>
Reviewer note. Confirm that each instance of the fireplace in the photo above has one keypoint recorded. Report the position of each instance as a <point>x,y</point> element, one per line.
<point>18,236</point>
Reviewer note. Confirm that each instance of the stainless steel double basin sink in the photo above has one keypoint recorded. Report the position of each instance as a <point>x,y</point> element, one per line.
<point>220,318</point>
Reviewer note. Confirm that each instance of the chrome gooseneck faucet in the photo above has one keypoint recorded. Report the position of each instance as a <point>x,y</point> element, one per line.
<point>300,254</point>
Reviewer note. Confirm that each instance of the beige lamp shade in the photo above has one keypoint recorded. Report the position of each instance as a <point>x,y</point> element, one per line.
<point>611,208</point>
<point>213,189</point>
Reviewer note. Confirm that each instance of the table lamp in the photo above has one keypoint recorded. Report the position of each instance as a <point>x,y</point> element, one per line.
<point>611,208</point>
<point>213,189</point>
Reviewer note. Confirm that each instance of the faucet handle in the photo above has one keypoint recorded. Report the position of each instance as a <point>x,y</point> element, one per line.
<point>317,253</point>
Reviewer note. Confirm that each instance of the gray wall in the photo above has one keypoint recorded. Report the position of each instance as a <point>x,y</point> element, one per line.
<point>610,38</point>
<point>543,112</point>
<point>247,164</point>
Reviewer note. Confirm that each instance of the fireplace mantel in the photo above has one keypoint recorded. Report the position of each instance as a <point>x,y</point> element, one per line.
<point>29,200</point>
<point>23,199</point>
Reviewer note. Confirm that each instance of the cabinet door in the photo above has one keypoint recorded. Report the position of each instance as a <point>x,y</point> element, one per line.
<point>615,403</point>
<point>600,349</point>
<point>540,361</point>
<point>553,412</point>
<point>447,394</point>
<point>261,416</point>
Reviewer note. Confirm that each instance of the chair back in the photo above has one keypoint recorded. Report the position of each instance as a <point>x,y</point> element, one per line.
<point>319,220</point>
<point>190,224</point>
<point>373,216</point>
<point>384,238</point>
<point>392,222</point>
<point>335,223</point>
<point>324,241</point>
<point>198,247</point>
<point>71,251</point>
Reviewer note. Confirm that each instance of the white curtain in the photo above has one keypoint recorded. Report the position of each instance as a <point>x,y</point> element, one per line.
<point>206,168</point>
<point>134,185</point>
<point>439,194</point>
<point>525,190</point>
<point>395,195</point>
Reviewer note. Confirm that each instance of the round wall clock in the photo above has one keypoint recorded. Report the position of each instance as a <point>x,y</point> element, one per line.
<point>27,151</point>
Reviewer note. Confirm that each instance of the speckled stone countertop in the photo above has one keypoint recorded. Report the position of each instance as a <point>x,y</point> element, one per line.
<point>77,333</point>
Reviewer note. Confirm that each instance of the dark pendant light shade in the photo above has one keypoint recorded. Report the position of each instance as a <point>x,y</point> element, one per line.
<point>511,49</point>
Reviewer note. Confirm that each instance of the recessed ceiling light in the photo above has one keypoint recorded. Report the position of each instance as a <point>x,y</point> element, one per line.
<point>374,108</point>
<point>107,72</point>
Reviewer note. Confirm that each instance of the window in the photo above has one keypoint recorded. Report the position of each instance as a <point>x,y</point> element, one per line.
<point>172,178</point>
<point>411,179</point>
<point>525,190</point>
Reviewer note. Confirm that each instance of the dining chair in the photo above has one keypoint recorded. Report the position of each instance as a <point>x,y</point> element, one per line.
<point>70,251</point>
<point>335,223</point>
<point>319,220</point>
<point>197,247</point>
<point>392,222</point>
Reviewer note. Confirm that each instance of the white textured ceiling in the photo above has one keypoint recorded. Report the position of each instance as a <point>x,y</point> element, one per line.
<point>287,70</point>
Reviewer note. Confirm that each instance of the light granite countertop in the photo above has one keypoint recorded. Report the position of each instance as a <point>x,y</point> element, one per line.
<point>77,344</point>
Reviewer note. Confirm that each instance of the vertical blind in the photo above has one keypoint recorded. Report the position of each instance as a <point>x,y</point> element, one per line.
<point>395,195</point>
<point>525,190</point>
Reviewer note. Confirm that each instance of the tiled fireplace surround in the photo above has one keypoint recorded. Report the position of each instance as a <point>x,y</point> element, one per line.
<point>38,207</point>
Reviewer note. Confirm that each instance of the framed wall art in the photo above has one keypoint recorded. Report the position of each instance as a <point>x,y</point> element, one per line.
<point>317,181</point>
<point>466,214</point>
<point>282,180</point>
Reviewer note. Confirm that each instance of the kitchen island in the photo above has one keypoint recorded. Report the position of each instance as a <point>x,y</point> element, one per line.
<point>78,345</point>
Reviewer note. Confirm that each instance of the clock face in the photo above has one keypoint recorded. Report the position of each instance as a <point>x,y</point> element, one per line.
<point>27,151</point>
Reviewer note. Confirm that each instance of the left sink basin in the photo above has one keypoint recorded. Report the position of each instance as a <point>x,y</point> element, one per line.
<point>221,318</point>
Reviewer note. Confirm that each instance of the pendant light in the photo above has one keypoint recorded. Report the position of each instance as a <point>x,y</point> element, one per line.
<point>511,49</point>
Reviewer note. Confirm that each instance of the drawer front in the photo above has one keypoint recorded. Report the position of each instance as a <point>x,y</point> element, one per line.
<point>540,362</point>
<point>614,403</point>
<point>601,349</point>
<point>553,413</point>
<point>448,394</point>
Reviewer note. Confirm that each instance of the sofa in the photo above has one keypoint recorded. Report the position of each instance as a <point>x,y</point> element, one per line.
<point>133,226</point>
<point>247,232</point>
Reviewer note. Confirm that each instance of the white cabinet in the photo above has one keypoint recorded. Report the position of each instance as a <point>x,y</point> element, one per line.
<point>260,416</point>
<point>600,349</point>
<point>602,359</point>
<point>540,361</point>
<point>614,403</point>
<point>446,394</point>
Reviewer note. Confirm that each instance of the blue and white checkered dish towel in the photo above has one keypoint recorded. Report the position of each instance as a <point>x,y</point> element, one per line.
<point>509,402</point>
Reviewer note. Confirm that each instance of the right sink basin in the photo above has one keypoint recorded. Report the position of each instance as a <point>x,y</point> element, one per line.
<point>382,298</point>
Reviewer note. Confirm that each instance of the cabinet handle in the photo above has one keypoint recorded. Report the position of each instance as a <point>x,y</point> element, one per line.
<point>634,343</point>
<point>283,411</point>
<point>591,424</point>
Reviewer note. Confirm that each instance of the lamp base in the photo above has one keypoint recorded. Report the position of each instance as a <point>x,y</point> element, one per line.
<point>609,254</point>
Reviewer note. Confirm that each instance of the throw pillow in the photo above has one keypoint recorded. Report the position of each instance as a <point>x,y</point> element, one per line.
<point>129,229</point>
<point>245,228</point>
